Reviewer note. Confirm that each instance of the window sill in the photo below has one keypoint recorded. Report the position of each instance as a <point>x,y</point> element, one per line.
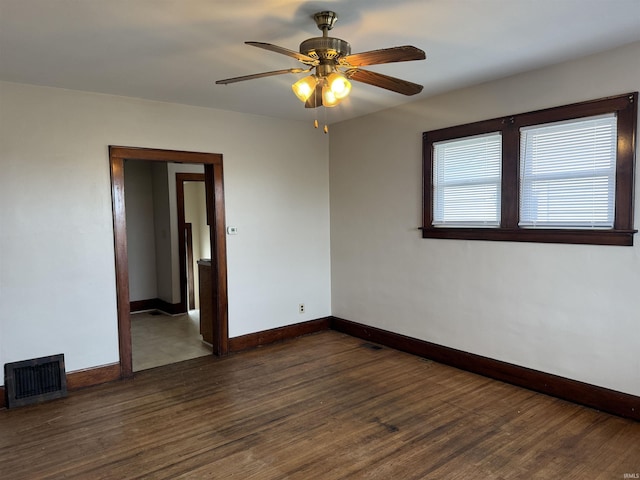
<point>537,235</point>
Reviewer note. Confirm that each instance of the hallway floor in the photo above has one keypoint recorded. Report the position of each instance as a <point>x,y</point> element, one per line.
<point>158,339</point>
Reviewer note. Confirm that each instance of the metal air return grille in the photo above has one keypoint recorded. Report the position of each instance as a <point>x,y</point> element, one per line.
<point>34,381</point>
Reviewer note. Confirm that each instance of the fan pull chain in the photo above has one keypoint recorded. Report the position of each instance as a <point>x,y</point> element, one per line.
<point>326,127</point>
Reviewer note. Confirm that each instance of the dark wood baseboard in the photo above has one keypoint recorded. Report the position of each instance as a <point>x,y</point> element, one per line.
<point>155,304</point>
<point>143,305</point>
<point>600,398</point>
<point>93,376</point>
<point>171,308</point>
<point>266,337</point>
<point>83,378</point>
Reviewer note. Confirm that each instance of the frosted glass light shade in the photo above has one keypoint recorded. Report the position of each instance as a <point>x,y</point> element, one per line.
<point>329,98</point>
<point>305,87</point>
<point>339,85</point>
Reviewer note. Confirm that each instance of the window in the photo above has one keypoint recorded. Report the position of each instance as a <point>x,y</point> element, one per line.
<point>568,173</point>
<point>466,181</point>
<point>561,175</point>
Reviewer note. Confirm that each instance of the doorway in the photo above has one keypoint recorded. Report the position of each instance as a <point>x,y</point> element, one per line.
<point>193,231</point>
<point>217,287</point>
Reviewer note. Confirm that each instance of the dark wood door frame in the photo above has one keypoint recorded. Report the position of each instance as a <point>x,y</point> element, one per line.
<point>215,218</point>
<point>182,251</point>
<point>191,290</point>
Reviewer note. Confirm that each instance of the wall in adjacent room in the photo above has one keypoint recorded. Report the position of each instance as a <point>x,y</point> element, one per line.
<point>162,231</point>
<point>152,228</point>
<point>195,213</point>
<point>174,168</point>
<point>141,245</point>
<point>570,310</point>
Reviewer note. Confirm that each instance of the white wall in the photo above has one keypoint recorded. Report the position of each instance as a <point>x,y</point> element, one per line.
<point>57,282</point>
<point>141,245</point>
<point>569,310</point>
<point>163,231</point>
<point>195,213</point>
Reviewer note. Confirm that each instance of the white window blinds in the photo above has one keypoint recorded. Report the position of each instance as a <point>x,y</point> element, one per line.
<point>567,173</point>
<point>466,181</point>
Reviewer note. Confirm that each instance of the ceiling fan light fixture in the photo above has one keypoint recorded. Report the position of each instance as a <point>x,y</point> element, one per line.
<point>333,67</point>
<point>305,87</point>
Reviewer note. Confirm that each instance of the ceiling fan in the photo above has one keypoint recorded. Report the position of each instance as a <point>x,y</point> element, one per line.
<point>335,65</point>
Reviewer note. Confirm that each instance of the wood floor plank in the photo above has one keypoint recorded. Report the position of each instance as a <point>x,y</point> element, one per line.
<point>323,406</point>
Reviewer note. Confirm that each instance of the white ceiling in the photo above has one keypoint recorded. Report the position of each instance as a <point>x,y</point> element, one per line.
<point>174,50</point>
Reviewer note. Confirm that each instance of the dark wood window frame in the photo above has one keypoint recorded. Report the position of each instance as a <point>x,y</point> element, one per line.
<point>625,107</point>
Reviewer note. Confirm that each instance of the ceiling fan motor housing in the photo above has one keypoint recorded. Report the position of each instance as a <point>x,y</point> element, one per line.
<point>325,48</point>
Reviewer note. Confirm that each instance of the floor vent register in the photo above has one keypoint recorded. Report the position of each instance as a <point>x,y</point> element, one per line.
<point>34,381</point>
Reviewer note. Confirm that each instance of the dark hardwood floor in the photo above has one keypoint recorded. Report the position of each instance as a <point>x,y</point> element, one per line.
<point>323,406</point>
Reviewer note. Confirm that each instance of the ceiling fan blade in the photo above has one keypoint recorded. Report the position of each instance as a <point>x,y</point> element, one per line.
<point>384,81</point>
<point>285,51</point>
<point>385,55</point>
<point>260,75</point>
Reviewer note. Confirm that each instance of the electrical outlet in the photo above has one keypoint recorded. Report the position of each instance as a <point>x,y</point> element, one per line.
<point>301,308</point>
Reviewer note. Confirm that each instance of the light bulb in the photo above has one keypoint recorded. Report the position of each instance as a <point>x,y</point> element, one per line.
<point>305,87</point>
<point>339,85</point>
<point>328,97</point>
